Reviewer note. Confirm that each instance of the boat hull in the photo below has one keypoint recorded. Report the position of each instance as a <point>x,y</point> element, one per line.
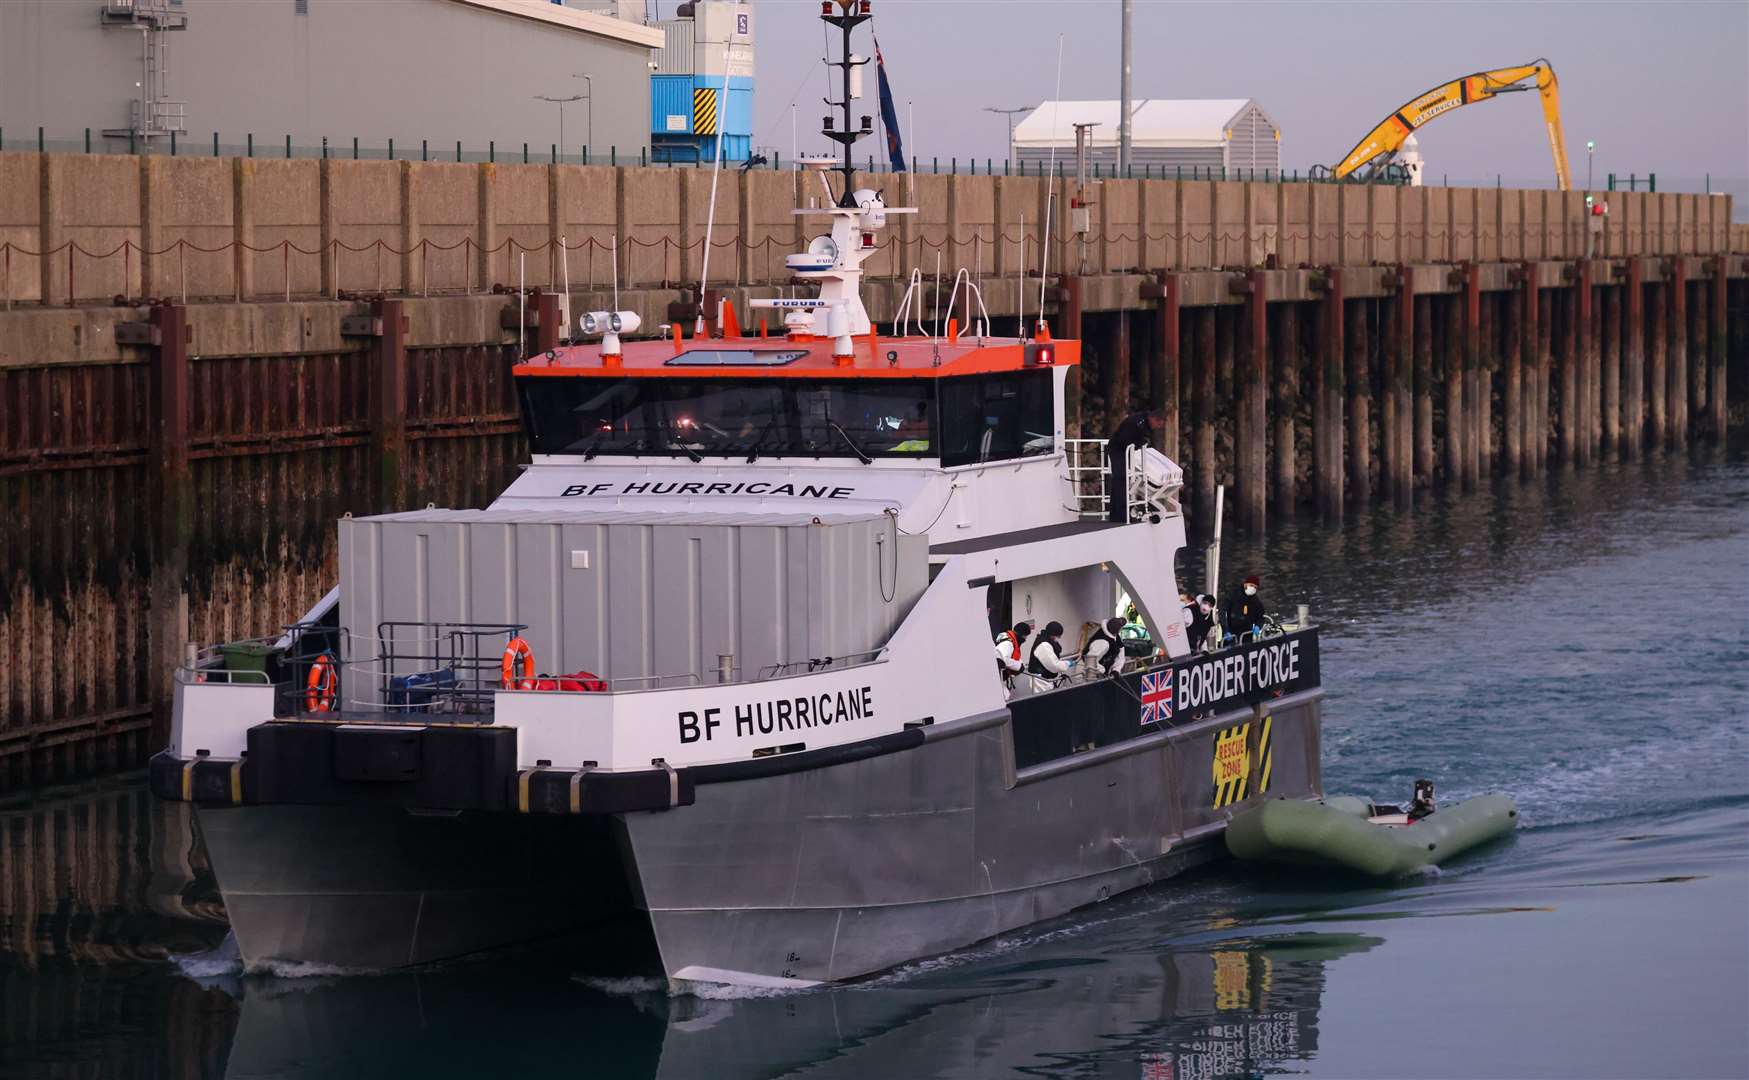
<point>787,879</point>
<point>371,888</point>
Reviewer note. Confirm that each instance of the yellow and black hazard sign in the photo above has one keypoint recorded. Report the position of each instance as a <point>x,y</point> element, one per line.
<point>1242,979</point>
<point>1265,755</point>
<point>704,111</point>
<point>1232,764</point>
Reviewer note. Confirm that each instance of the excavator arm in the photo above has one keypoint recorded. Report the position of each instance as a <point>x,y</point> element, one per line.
<point>1384,140</point>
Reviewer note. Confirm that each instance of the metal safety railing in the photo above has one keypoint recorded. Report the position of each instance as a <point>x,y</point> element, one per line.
<point>1086,472</point>
<point>410,669</point>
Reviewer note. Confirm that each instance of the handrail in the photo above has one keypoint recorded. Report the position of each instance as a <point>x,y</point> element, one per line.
<point>971,290</point>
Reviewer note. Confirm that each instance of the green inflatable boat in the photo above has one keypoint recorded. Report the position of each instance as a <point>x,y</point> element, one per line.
<point>1350,832</point>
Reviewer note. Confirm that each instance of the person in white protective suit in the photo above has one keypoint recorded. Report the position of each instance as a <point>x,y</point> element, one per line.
<point>1046,667</point>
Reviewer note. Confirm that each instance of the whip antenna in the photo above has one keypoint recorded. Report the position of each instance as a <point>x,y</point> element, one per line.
<point>1044,260</point>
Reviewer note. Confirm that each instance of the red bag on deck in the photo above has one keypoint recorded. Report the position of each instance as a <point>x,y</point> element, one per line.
<point>576,682</point>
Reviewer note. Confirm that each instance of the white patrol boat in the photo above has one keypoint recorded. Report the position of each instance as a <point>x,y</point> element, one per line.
<point>721,659</point>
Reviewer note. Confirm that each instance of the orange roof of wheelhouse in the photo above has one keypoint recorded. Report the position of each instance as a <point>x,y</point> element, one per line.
<point>911,358</point>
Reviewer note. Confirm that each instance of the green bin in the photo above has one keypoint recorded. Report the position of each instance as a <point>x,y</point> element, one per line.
<point>247,656</point>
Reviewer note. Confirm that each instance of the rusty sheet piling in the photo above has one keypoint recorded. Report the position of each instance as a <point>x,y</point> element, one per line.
<point>1402,388</point>
<point>1718,341</point>
<point>1676,363</point>
<point>1633,358</point>
<point>1204,406</point>
<point>1327,385</point>
<point>1609,350</point>
<point>1658,343</point>
<point>1168,342</point>
<point>1286,341</point>
<point>1424,460</point>
<point>1252,399</point>
<point>1512,379</point>
<point>1359,402</point>
<point>173,505</point>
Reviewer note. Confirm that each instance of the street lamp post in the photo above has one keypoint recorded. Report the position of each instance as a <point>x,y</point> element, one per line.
<point>560,102</point>
<point>1590,150</point>
<point>1009,113</point>
<point>588,92</point>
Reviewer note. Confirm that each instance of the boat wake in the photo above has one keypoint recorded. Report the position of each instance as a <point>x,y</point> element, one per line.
<point>224,960</point>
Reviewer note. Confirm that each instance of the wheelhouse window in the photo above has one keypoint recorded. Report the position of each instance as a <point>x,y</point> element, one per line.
<point>730,417</point>
<point>995,417</point>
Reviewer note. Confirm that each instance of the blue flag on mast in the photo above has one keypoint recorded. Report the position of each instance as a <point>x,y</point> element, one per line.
<point>889,115</point>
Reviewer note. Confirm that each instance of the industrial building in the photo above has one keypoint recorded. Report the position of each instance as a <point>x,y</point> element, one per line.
<point>1217,133</point>
<point>439,72</point>
<point>707,48</point>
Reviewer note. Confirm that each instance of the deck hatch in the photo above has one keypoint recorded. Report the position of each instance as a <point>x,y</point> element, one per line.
<point>736,358</point>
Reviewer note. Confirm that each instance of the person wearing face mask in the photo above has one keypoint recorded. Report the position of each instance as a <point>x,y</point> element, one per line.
<point>1245,610</point>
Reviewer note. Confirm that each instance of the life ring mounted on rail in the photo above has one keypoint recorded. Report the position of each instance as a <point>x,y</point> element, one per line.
<point>322,688</point>
<point>518,671</point>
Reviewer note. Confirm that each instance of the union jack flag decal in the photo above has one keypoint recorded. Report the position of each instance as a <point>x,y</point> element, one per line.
<point>1157,697</point>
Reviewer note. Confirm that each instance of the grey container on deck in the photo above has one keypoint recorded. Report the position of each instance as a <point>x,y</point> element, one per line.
<point>638,596</point>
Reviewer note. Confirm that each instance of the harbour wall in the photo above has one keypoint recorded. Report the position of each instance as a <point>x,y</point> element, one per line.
<point>176,443</point>
<point>89,227</point>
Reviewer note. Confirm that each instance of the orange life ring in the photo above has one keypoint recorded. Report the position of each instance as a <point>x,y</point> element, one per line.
<point>518,665</point>
<point>323,685</point>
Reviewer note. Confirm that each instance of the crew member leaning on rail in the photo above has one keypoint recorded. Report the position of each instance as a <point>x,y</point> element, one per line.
<point>1134,433</point>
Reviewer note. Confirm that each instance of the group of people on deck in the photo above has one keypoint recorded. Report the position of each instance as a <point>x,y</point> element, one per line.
<point>1037,664</point>
<point>1046,662</point>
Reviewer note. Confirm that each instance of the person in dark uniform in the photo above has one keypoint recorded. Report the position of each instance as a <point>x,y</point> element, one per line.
<point>1135,431</point>
<point>1103,652</point>
<point>1245,610</point>
<point>1199,619</point>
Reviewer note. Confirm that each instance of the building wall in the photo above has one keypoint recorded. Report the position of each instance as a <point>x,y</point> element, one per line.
<point>410,70</point>
<point>1255,143</point>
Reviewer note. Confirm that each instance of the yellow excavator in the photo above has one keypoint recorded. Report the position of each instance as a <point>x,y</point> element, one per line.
<point>1379,148</point>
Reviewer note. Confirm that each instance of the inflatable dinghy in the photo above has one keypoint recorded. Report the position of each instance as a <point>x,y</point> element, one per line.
<point>1345,831</point>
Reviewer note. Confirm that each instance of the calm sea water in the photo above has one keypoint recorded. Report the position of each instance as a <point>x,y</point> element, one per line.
<point>1581,644</point>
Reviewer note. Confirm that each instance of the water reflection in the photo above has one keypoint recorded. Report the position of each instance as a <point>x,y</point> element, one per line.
<point>1229,1008</point>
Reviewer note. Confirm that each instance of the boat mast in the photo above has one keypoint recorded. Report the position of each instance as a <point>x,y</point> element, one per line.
<point>855,13</point>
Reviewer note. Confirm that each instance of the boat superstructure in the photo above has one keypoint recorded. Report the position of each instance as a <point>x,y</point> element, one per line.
<point>721,658</point>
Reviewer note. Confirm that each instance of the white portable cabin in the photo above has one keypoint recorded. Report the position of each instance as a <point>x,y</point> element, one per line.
<point>1205,134</point>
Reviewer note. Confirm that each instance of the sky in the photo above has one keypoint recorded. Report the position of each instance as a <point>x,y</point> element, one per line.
<point>1660,85</point>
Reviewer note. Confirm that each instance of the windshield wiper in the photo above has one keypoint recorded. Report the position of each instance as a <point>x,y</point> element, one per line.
<point>850,442</point>
<point>759,440</point>
<point>690,452</point>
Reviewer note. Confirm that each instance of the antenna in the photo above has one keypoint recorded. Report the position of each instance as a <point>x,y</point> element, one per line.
<point>704,273</point>
<point>613,238</point>
<point>854,14</point>
<point>1044,259</point>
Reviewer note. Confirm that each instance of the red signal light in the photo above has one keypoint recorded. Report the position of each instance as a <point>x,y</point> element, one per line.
<point>825,7</point>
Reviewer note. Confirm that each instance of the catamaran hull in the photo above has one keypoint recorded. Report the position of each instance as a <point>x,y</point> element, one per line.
<point>786,879</point>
